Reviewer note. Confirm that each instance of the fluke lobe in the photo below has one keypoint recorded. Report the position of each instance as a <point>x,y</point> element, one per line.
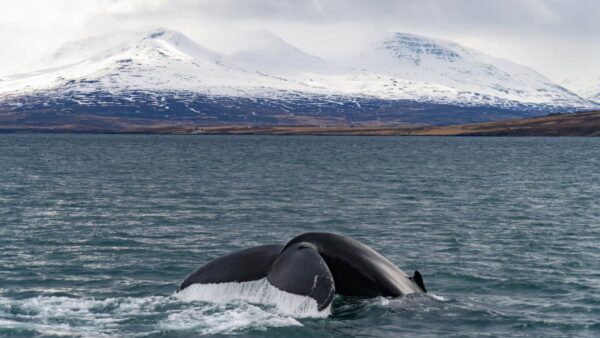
<point>314,264</point>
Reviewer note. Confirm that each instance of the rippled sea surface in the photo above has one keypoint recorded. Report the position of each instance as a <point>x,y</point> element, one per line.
<point>97,231</point>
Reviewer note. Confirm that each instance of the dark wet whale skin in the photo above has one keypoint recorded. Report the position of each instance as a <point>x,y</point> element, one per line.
<point>239,266</point>
<point>357,269</point>
<point>316,264</point>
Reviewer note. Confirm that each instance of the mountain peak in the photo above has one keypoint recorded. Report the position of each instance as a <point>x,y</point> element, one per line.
<point>103,47</point>
<point>415,48</point>
<point>156,33</point>
<point>162,34</point>
<point>170,43</point>
<point>258,49</point>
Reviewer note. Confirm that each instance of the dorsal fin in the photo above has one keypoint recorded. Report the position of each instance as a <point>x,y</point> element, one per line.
<point>417,278</point>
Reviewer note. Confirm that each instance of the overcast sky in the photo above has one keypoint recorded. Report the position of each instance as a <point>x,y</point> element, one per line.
<point>559,38</point>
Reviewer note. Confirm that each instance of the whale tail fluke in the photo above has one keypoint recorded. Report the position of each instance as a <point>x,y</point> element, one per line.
<point>240,266</point>
<point>417,278</point>
<point>298,269</point>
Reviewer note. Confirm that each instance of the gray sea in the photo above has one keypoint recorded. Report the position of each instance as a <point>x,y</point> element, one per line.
<point>97,231</point>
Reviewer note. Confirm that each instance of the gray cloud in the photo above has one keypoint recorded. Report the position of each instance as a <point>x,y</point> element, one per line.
<point>571,18</point>
<point>557,37</point>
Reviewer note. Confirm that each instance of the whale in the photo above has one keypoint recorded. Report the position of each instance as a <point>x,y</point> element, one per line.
<point>318,265</point>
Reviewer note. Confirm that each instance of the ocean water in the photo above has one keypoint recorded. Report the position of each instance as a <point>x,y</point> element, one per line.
<point>97,231</point>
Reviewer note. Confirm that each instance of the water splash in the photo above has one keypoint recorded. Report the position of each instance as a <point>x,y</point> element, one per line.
<point>257,292</point>
<point>437,297</point>
<point>88,317</point>
<point>224,319</point>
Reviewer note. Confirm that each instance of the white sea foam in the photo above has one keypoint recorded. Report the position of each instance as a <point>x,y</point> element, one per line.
<point>436,297</point>
<point>256,292</point>
<point>66,316</point>
<point>224,319</point>
<point>45,329</point>
<point>111,317</point>
<point>380,301</point>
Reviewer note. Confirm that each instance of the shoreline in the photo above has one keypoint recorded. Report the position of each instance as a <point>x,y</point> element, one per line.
<point>572,124</point>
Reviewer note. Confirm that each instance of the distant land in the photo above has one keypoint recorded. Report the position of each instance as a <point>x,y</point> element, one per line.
<point>572,124</point>
<point>575,124</point>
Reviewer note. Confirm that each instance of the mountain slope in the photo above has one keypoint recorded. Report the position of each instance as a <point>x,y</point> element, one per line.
<point>586,86</point>
<point>160,60</point>
<point>461,74</point>
<point>163,75</point>
<point>266,52</point>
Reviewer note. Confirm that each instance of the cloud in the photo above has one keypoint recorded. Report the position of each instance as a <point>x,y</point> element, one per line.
<point>526,31</point>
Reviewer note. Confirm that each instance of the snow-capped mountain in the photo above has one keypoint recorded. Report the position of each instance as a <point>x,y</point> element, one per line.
<point>160,60</point>
<point>266,52</point>
<point>164,74</point>
<point>585,86</point>
<point>463,71</point>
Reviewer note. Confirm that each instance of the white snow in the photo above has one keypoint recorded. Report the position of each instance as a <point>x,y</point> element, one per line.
<point>457,72</point>
<point>400,67</point>
<point>585,85</point>
<point>266,52</point>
